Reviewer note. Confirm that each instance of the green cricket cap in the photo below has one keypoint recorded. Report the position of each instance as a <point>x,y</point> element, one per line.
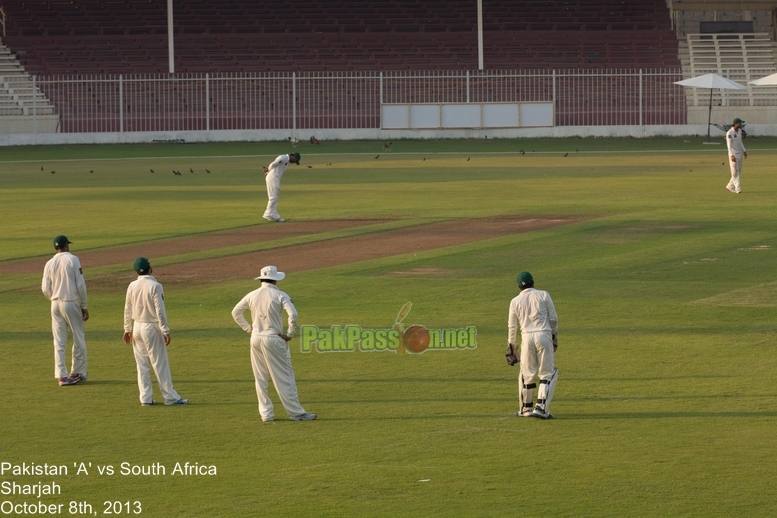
<point>296,154</point>
<point>141,265</point>
<point>524,279</point>
<point>60,241</point>
<point>738,121</point>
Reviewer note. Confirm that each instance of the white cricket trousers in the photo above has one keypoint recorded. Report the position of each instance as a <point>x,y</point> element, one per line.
<point>270,358</point>
<point>736,169</point>
<point>148,343</point>
<point>536,355</point>
<point>66,314</point>
<point>273,194</point>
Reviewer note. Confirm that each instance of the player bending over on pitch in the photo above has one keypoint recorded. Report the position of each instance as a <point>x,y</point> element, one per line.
<point>534,312</point>
<point>150,335</point>
<point>272,177</point>
<point>270,356</point>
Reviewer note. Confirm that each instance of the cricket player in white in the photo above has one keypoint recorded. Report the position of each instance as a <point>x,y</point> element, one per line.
<point>533,311</point>
<point>270,356</point>
<point>63,284</point>
<point>272,177</point>
<point>150,335</point>
<point>736,154</point>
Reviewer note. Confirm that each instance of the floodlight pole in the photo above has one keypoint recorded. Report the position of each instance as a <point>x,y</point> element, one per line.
<point>170,48</point>
<point>709,117</point>
<point>480,34</point>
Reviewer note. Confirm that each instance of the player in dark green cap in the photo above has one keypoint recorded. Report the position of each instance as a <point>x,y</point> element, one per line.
<point>272,177</point>
<point>150,334</point>
<point>736,154</point>
<point>532,312</point>
<point>63,284</point>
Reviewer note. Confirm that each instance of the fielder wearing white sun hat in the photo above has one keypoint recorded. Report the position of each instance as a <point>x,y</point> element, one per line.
<point>270,273</point>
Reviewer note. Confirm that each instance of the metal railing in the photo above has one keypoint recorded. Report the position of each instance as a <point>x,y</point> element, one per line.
<point>352,100</point>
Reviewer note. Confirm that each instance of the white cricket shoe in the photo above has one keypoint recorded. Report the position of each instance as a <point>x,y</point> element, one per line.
<point>304,417</point>
<point>541,413</point>
<point>179,402</point>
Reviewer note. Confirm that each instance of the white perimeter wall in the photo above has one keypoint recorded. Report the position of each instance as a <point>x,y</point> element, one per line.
<point>22,139</point>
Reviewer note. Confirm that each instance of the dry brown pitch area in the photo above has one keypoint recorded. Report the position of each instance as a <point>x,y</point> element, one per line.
<point>295,258</point>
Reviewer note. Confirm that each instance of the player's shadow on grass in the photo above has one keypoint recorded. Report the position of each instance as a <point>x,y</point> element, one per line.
<point>90,383</point>
<point>412,380</point>
<point>408,400</point>
<point>664,415</point>
<point>648,378</point>
<point>193,381</point>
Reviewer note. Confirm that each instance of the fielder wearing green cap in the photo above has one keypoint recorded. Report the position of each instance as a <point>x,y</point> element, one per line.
<point>532,312</point>
<point>63,284</point>
<point>60,242</point>
<point>149,335</point>
<point>525,280</point>
<point>141,265</point>
<point>736,154</point>
<point>272,177</point>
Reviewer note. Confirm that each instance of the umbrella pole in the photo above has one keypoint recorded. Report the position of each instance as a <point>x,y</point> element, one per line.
<point>709,117</point>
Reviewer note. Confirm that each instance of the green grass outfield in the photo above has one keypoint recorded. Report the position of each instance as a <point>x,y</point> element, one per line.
<point>665,287</point>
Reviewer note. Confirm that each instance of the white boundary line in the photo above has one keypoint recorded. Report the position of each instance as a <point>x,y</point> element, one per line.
<point>409,153</point>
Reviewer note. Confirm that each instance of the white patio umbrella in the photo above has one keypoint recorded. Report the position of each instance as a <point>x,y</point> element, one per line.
<point>711,81</point>
<point>766,81</point>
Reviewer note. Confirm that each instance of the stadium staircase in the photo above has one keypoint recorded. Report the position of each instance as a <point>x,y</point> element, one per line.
<point>20,100</point>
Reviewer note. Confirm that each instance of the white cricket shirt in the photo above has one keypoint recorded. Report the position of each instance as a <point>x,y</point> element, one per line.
<point>63,279</point>
<point>734,142</point>
<point>266,305</point>
<point>532,310</point>
<point>145,303</point>
<point>278,167</point>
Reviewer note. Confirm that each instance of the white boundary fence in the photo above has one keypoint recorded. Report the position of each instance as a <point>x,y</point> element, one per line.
<point>352,100</point>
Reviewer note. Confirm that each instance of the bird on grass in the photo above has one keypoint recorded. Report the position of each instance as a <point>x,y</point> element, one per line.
<point>523,152</point>
<point>310,167</point>
<point>314,140</point>
<point>293,141</point>
<point>53,172</point>
<point>91,171</point>
<point>176,173</point>
<point>377,157</point>
<point>330,163</point>
<point>467,159</point>
<point>423,159</point>
<point>207,171</point>
<point>566,154</point>
<point>191,170</point>
<point>41,168</point>
<point>151,170</point>
<point>386,146</point>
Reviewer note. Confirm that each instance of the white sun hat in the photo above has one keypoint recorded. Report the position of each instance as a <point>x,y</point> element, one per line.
<point>270,273</point>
